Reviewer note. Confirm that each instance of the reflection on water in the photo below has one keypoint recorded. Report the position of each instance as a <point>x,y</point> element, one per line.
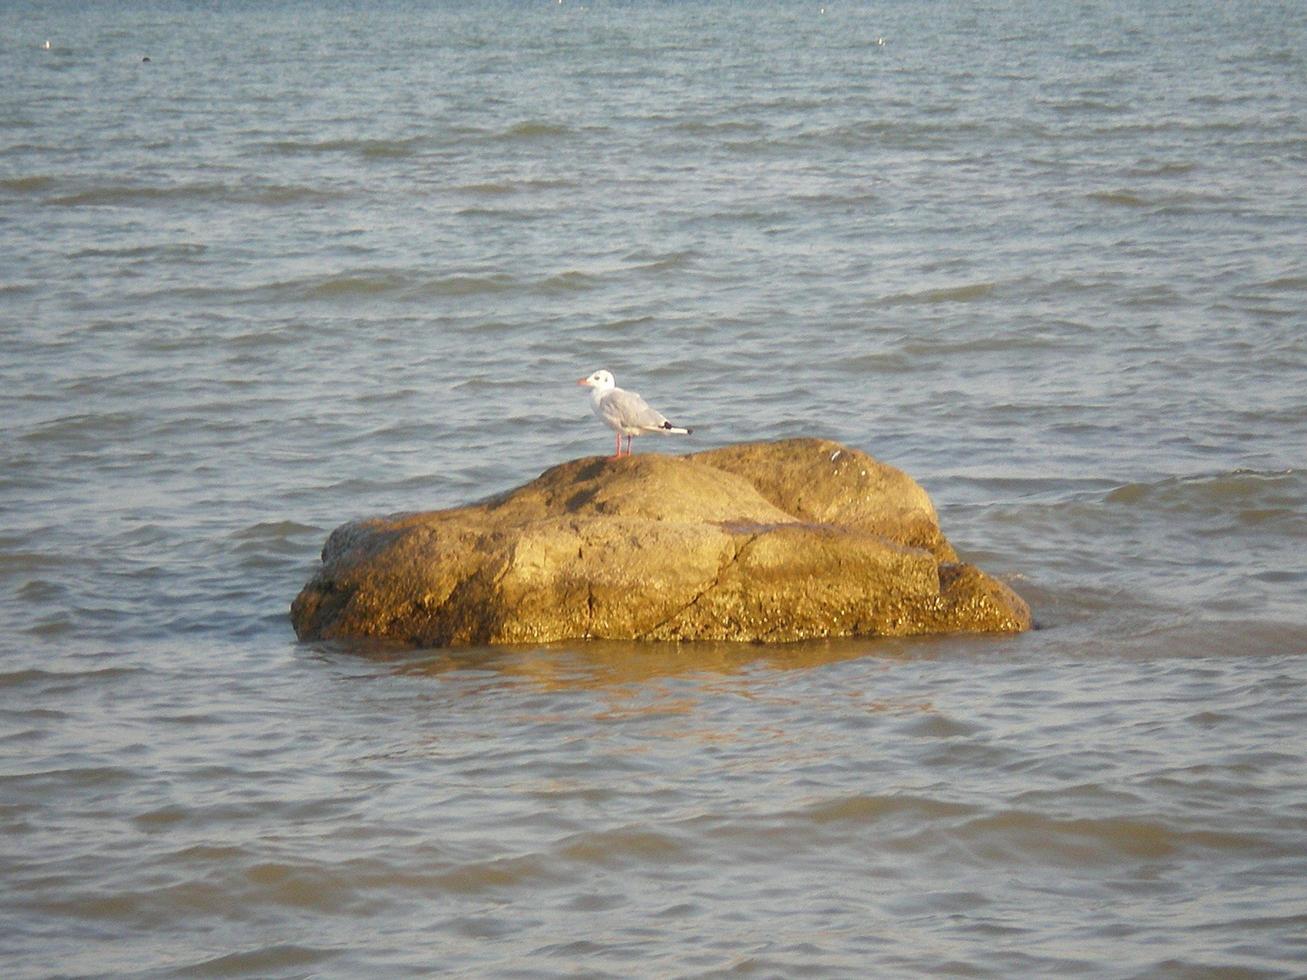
<point>613,663</point>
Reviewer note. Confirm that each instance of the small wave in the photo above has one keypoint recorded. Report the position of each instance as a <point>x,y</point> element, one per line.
<point>488,189</point>
<point>480,876</point>
<point>1285,284</point>
<point>953,294</point>
<point>274,538</point>
<point>660,261</point>
<point>355,284</point>
<point>1174,202</point>
<point>277,195</point>
<point>1223,99</point>
<point>304,886</point>
<point>862,809</point>
<point>1221,638</point>
<point>617,847</point>
<point>374,283</point>
<point>80,776</point>
<point>499,214</point>
<point>278,959</point>
<point>26,185</point>
<point>1087,105</point>
<point>1168,126</point>
<point>879,361</point>
<point>17,678</point>
<point>908,134</point>
<point>742,214</point>
<point>148,196</point>
<point>52,627</point>
<point>533,130</point>
<point>39,590</point>
<point>1168,169</point>
<point>989,342</point>
<point>386,149</point>
<point>174,251</point>
<point>758,146</point>
<point>274,531</point>
<point>92,429</point>
<point>122,195</point>
<point>465,285</point>
<point>505,188</point>
<point>369,148</point>
<point>1154,295</point>
<point>572,281</point>
<point>1255,491</point>
<point>840,202</point>
<point>707,127</point>
<point>1120,198</point>
<point>30,561</point>
<point>1041,838</point>
<point>1055,488</point>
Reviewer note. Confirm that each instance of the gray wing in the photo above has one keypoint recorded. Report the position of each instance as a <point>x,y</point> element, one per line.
<point>627,410</point>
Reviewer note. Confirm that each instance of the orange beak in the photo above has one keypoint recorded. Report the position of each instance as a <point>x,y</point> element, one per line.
<point>584,381</point>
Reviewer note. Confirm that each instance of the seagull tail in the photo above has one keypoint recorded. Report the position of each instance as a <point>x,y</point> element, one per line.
<point>668,427</point>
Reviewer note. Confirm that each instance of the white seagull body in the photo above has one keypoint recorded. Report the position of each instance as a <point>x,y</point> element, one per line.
<point>625,412</point>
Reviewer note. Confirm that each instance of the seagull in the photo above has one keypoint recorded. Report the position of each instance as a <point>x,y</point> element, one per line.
<point>625,412</point>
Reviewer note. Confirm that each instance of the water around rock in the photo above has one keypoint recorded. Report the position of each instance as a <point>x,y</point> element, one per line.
<point>765,542</point>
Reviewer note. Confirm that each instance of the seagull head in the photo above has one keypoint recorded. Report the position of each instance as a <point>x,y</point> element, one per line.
<point>599,381</point>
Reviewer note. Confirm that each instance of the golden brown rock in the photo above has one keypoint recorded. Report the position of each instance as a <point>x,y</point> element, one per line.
<point>763,541</point>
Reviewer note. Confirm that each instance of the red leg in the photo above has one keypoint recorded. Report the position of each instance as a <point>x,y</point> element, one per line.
<point>619,446</point>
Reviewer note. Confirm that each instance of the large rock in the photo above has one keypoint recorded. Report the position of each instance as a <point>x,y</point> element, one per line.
<point>764,542</point>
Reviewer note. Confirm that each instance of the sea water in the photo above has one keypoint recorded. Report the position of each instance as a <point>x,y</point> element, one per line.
<point>268,267</point>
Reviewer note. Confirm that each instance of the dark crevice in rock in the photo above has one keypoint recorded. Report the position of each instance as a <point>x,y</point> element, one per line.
<point>725,566</point>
